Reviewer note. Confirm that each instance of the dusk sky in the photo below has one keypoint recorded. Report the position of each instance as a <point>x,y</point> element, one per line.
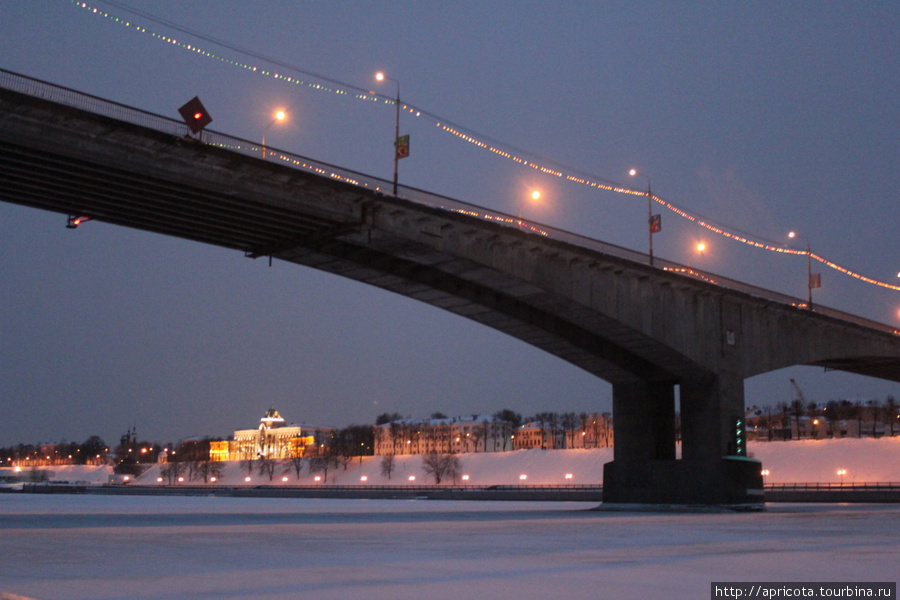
<point>760,117</point>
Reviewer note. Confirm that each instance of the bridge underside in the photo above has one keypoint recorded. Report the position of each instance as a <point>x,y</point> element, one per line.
<point>64,160</point>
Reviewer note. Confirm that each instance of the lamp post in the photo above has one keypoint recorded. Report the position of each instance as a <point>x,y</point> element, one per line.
<point>699,249</point>
<point>381,77</point>
<point>652,226</point>
<point>810,282</point>
<point>279,116</point>
<point>535,195</point>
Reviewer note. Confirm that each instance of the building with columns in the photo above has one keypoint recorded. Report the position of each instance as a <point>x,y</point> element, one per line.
<point>273,438</point>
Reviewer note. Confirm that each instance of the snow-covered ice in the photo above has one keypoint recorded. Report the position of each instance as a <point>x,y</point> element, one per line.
<point>64,547</point>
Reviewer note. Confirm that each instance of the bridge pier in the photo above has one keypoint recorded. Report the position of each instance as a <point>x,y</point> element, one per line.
<point>710,472</point>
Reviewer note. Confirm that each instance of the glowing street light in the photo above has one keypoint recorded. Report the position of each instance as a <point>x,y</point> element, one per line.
<point>380,76</point>
<point>279,116</point>
<point>654,222</point>
<point>534,196</point>
<point>813,280</point>
<point>842,472</point>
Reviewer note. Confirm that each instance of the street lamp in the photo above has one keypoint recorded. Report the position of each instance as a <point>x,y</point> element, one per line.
<point>535,196</point>
<point>381,77</point>
<point>279,116</point>
<point>653,222</point>
<point>699,249</point>
<point>842,472</point>
<point>812,280</point>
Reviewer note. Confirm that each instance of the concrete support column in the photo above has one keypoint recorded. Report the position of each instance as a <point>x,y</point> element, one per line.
<point>644,421</point>
<point>708,408</point>
<point>644,469</point>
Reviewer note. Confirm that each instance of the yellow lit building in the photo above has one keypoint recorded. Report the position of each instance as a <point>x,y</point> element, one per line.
<point>218,450</point>
<point>273,438</point>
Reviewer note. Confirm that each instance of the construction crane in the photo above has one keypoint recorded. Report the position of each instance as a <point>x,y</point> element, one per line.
<point>797,389</point>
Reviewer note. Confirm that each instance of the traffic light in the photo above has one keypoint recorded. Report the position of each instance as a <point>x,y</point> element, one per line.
<point>195,115</point>
<point>740,437</point>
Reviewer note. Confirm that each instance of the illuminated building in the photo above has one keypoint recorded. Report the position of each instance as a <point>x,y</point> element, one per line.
<point>480,433</point>
<point>592,430</point>
<point>273,438</point>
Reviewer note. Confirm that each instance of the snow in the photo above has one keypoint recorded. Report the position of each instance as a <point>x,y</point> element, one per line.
<point>866,460</point>
<point>73,547</point>
<point>91,547</point>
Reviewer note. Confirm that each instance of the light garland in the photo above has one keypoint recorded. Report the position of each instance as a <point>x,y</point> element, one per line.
<point>479,141</point>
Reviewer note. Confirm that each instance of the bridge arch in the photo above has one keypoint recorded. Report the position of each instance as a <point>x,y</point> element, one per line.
<point>644,329</point>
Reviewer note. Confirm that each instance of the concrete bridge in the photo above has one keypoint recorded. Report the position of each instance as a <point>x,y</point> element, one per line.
<point>644,329</point>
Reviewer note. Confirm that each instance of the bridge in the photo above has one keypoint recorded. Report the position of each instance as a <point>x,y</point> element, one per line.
<point>645,329</point>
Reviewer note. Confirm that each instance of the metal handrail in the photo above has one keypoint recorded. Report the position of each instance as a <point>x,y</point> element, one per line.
<point>355,487</point>
<point>830,486</point>
<point>70,97</point>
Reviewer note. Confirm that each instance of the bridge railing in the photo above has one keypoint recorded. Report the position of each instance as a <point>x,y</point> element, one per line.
<point>80,100</point>
<point>832,487</point>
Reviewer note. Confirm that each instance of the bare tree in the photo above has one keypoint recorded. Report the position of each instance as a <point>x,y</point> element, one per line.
<point>509,422</point>
<point>543,419</point>
<point>858,414</point>
<point>440,466</point>
<point>387,465</point>
<point>172,471</point>
<point>798,409</point>
<point>207,469</point>
<point>321,464</point>
<point>785,409</point>
<point>295,464</point>
<point>832,414</point>
<point>890,414</point>
<point>812,411</point>
<point>478,433</point>
<point>267,466</point>
<point>248,463</point>
<point>569,422</point>
<point>875,409</point>
<point>396,433</point>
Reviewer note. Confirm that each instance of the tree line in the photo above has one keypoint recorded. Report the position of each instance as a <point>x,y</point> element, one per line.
<point>835,418</point>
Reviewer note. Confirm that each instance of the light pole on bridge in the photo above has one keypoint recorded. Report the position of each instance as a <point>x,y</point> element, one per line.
<point>380,76</point>
<point>812,280</point>
<point>279,116</point>
<point>535,196</point>
<point>653,222</point>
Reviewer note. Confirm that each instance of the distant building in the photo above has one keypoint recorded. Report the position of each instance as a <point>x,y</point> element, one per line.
<point>446,435</point>
<point>482,433</point>
<point>273,438</point>
<point>593,430</point>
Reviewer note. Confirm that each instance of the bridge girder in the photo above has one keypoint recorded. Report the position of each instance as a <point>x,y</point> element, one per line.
<point>641,328</point>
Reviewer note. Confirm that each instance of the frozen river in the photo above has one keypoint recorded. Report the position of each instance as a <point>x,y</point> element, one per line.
<point>87,547</point>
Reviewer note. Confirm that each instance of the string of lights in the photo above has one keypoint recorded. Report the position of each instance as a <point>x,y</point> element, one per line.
<point>288,74</point>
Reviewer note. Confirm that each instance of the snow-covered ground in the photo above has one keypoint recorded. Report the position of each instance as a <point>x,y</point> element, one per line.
<point>59,547</point>
<point>87,547</point>
<point>865,460</point>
